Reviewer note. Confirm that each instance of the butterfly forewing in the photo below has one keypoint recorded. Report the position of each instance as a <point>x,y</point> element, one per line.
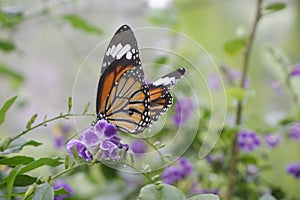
<point>122,43</point>
<point>160,97</point>
<point>123,97</point>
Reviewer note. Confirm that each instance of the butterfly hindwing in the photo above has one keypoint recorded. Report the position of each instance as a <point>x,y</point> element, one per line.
<point>160,97</point>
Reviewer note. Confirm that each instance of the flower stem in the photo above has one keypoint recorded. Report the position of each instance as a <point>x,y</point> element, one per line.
<point>234,150</point>
<point>162,156</point>
<point>44,123</point>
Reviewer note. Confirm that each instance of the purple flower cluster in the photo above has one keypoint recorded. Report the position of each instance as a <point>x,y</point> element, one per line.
<point>248,140</point>
<point>272,140</point>
<point>62,184</point>
<point>183,108</point>
<point>293,169</point>
<point>213,158</point>
<point>101,139</point>
<point>196,190</point>
<point>296,70</point>
<point>138,146</point>
<point>294,132</point>
<point>180,171</point>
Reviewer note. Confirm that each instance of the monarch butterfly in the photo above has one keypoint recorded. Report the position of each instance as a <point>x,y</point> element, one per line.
<point>123,97</point>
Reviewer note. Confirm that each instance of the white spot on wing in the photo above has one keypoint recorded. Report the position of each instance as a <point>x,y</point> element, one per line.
<point>165,81</point>
<point>128,55</point>
<point>124,50</point>
<point>116,50</point>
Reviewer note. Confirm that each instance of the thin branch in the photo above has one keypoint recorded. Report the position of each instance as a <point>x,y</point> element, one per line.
<point>45,122</point>
<point>234,149</point>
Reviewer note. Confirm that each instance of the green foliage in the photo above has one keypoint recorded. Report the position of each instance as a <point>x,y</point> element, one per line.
<point>5,108</point>
<point>154,192</point>
<point>273,7</point>
<point>204,197</point>
<point>236,93</point>
<point>16,77</point>
<point>43,192</point>
<point>9,19</point>
<point>165,192</point>
<point>235,46</point>
<point>81,24</point>
<point>31,121</point>
<point>7,45</point>
<point>18,144</point>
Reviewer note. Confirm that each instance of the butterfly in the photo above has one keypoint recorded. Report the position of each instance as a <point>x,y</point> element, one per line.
<point>123,97</point>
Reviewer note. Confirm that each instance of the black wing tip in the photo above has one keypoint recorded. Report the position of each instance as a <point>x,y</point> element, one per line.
<point>181,70</point>
<point>123,28</point>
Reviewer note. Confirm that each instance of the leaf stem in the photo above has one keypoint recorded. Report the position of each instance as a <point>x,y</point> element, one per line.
<point>47,121</point>
<point>234,149</point>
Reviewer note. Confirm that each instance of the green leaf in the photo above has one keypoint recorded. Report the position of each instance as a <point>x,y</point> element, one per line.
<point>31,121</point>
<point>43,192</point>
<point>18,144</point>
<point>16,77</point>
<point>161,60</point>
<point>228,133</point>
<point>235,46</point>
<point>41,162</point>
<point>70,104</point>
<point>11,179</point>
<point>16,160</point>
<point>7,45</point>
<point>236,92</point>
<point>10,19</point>
<point>60,191</point>
<point>273,7</point>
<point>24,180</point>
<point>163,192</point>
<point>80,23</point>
<point>108,172</point>
<point>204,197</point>
<point>248,160</point>
<point>86,107</point>
<point>5,108</point>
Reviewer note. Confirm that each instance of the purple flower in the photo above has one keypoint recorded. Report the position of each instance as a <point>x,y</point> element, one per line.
<point>293,169</point>
<point>248,140</point>
<point>195,189</point>
<point>100,139</point>
<point>180,171</point>
<point>62,184</point>
<point>213,81</point>
<point>252,170</point>
<point>294,131</point>
<point>61,131</point>
<point>235,75</point>
<point>183,108</point>
<point>272,140</point>
<point>138,146</point>
<point>80,148</point>
<point>296,70</point>
<point>215,158</point>
<point>277,87</point>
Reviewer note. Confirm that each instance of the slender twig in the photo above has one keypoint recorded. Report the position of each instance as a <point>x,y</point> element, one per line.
<point>45,122</point>
<point>162,156</point>
<point>234,150</point>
